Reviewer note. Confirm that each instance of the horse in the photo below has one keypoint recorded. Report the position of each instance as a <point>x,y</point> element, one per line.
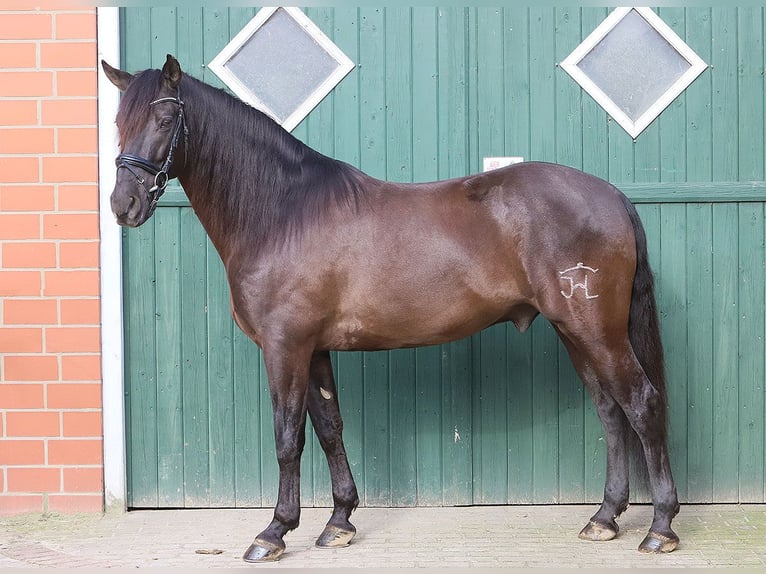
<point>322,257</point>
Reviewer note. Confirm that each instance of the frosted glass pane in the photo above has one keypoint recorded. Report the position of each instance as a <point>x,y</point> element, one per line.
<point>634,65</point>
<point>281,64</point>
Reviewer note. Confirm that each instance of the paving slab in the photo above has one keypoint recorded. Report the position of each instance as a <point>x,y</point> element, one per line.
<point>456,537</point>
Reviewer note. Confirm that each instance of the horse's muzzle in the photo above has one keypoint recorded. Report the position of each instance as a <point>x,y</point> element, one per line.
<point>127,209</point>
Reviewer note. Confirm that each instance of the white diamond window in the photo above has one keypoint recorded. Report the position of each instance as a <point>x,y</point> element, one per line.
<point>282,64</point>
<point>634,65</point>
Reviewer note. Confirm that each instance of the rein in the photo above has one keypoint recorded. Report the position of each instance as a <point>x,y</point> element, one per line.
<point>161,177</point>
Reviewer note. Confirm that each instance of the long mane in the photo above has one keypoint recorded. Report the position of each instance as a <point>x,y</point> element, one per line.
<point>245,175</point>
<point>134,109</point>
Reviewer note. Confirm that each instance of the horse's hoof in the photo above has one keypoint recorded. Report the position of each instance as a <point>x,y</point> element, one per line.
<point>335,537</point>
<point>599,532</point>
<point>656,543</point>
<point>263,551</point>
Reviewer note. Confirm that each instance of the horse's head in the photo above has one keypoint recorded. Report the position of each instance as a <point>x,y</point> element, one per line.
<point>152,132</point>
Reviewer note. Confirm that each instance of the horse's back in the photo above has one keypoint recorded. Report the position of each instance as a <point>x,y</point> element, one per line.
<point>547,193</point>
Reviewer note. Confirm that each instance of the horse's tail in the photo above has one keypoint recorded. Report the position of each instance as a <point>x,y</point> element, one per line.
<point>644,332</point>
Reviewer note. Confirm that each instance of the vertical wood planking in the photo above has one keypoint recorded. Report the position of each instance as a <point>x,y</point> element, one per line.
<point>167,321</point>
<point>725,364</point>
<point>699,98</point>
<point>247,432</point>
<point>724,95</point>
<point>515,69</point>
<point>750,81</point>
<point>673,323</point>
<point>568,117</point>
<point>163,34</point>
<point>699,368</point>
<point>751,257</point>
<point>429,431</point>
<point>220,383</point>
<point>542,91</point>
<point>268,449</point>
<point>189,25</point>
<point>135,34</point>
<point>699,241</point>
<point>141,376</point>
<point>752,260</point>
<point>725,167</point>
<point>402,439</point>
<point>193,336</point>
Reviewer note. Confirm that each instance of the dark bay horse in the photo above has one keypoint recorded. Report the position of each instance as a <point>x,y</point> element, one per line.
<point>321,257</point>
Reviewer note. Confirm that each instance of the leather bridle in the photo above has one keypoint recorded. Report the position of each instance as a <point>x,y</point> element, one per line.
<point>161,177</point>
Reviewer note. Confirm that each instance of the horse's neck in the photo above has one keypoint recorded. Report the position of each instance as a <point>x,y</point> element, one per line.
<point>247,179</point>
<point>208,197</point>
<point>210,181</point>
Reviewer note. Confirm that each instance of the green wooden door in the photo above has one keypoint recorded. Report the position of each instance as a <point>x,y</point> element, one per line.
<point>500,417</point>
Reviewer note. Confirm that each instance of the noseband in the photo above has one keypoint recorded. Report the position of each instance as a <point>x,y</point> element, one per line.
<point>161,177</point>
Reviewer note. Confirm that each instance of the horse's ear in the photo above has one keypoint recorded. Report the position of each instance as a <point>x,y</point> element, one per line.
<point>117,77</point>
<point>171,71</point>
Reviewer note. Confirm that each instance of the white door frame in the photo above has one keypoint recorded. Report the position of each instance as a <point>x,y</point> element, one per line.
<point>112,380</point>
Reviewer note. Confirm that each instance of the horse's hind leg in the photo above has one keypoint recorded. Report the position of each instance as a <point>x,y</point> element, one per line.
<point>616,370</point>
<point>328,425</point>
<point>602,525</point>
<point>644,409</point>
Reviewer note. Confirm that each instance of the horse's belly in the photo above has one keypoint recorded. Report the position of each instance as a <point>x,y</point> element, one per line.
<point>433,322</point>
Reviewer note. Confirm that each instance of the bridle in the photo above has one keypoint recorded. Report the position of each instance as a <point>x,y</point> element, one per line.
<point>161,177</point>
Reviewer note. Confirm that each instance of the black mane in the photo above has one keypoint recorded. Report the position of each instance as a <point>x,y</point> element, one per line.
<point>134,104</point>
<point>261,183</point>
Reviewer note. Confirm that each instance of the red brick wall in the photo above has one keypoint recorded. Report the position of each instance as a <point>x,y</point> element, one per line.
<point>51,456</point>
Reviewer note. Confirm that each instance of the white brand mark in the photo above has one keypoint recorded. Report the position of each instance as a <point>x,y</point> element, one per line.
<point>578,279</point>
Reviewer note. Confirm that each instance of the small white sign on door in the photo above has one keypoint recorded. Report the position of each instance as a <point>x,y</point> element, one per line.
<point>491,163</point>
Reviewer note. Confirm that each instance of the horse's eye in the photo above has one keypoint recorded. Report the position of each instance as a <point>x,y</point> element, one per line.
<point>165,123</point>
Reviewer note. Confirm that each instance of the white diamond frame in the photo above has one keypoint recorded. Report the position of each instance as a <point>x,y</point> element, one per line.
<point>634,128</point>
<point>218,64</point>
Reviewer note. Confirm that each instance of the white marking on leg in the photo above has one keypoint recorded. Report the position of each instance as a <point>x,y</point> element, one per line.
<point>325,393</point>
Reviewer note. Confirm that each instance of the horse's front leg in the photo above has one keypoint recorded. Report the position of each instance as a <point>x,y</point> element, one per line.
<point>288,371</point>
<point>325,416</point>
